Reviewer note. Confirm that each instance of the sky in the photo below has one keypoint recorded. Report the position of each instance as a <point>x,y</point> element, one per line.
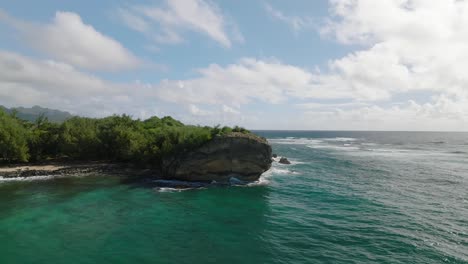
<point>261,64</point>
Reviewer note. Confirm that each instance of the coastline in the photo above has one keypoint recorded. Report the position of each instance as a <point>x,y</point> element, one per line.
<point>71,169</point>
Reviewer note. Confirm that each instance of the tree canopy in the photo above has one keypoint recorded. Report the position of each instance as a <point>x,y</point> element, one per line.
<point>116,138</point>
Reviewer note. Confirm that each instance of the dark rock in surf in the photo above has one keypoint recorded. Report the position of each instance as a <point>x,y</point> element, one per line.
<point>284,161</point>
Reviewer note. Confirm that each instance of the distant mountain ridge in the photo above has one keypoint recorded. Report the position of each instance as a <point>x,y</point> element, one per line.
<point>32,113</point>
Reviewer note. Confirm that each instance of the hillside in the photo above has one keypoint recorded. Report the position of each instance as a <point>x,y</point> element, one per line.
<point>32,113</point>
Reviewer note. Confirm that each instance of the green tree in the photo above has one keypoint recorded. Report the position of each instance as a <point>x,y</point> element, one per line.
<point>13,139</point>
<point>44,139</point>
<point>114,138</point>
<point>121,137</point>
<point>78,138</point>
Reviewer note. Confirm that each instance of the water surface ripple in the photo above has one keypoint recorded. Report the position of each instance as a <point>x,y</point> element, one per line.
<point>348,197</point>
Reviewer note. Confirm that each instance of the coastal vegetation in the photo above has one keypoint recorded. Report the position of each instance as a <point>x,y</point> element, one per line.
<point>117,138</point>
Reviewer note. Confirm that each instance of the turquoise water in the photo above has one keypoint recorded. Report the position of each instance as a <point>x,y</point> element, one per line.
<point>348,197</point>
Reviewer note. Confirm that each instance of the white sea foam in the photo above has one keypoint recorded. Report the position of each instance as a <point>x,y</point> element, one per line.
<point>347,147</point>
<point>295,162</point>
<point>341,139</point>
<point>275,170</point>
<point>369,144</point>
<point>388,150</point>
<point>30,178</point>
<point>281,171</point>
<point>309,141</point>
<point>263,180</point>
<point>169,189</point>
<point>294,141</point>
<point>346,144</point>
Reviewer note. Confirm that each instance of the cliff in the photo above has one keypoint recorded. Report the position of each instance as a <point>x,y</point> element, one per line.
<point>242,156</point>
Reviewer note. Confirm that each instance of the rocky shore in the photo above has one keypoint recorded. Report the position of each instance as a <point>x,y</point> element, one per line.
<point>234,157</point>
<point>71,169</point>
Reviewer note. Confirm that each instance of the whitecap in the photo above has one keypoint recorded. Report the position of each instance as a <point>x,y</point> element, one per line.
<point>29,178</point>
<point>276,170</point>
<point>295,162</point>
<point>294,141</point>
<point>262,181</point>
<point>335,147</point>
<point>168,189</point>
<point>340,139</point>
<point>265,178</point>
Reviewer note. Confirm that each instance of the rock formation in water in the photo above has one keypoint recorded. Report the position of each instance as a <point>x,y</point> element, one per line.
<point>235,155</point>
<point>284,161</point>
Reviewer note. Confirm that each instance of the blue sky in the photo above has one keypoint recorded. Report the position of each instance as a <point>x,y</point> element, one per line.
<point>337,64</point>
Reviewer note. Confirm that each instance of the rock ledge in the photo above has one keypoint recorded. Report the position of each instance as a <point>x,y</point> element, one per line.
<point>235,155</point>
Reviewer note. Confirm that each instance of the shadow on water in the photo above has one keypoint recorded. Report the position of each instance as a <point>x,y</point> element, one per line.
<point>97,219</point>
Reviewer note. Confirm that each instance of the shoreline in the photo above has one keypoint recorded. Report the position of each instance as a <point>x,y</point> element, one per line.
<point>131,175</point>
<point>71,169</point>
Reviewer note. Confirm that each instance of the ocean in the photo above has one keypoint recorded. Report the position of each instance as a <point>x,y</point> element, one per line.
<point>347,197</point>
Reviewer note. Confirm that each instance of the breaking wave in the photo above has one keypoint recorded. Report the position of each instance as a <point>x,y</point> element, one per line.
<point>30,178</point>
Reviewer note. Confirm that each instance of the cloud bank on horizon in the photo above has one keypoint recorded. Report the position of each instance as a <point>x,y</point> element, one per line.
<point>337,64</point>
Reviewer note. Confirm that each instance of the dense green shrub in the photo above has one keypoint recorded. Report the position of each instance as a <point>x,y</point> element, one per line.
<point>78,138</point>
<point>13,139</point>
<point>114,138</point>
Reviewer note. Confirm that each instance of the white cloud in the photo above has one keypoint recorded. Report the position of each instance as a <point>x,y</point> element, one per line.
<point>196,111</point>
<point>440,114</point>
<point>247,81</point>
<point>408,74</point>
<point>25,82</point>
<point>50,75</point>
<point>214,115</point>
<point>166,24</point>
<point>133,21</point>
<point>230,110</point>
<point>408,47</point>
<point>217,95</point>
<point>67,38</point>
<point>296,23</point>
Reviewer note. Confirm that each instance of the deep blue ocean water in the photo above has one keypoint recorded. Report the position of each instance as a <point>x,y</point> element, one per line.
<point>347,197</point>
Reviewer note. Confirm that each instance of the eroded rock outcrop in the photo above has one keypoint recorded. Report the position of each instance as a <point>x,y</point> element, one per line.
<point>242,156</point>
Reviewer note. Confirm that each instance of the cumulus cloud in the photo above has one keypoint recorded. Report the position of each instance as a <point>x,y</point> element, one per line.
<point>166,24</point>
<point>214,115</point>
<point>407,47</point>
<point>67,38</point>
<point>296,23</point>
<point>247,81</point>
<point>412,45</point>
<point>25,81</point>
<point>439,114</point>
<point>408,73</point>
<point>48,74</point>
<point>230,110</point>
<point>196,111</point>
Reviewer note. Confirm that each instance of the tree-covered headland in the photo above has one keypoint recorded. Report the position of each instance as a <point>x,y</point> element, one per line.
<point>115,138</point>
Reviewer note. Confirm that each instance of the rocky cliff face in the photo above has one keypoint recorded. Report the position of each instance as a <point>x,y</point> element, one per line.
<point>242,156</point>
